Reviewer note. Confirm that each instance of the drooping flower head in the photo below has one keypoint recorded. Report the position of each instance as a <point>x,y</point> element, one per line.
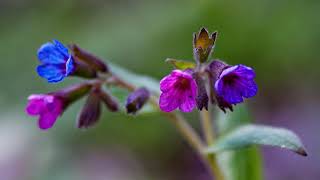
<point>57,62</point>
<point>179,90</point>
<point>137,99</point>
<point>48,107</point>
<point>235,83</point>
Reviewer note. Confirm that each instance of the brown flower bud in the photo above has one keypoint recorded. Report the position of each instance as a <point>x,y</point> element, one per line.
<point>73,93</point>
<point>83,70</point>
<point>203,44</point>
<point>110,102</point>
<point>90,59</point>
<point>91,110</point>
<point>136,100</point>
<point>202,97</point>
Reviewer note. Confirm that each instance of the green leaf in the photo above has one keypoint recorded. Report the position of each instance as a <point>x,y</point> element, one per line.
<point>180,64</point>
<point>243,164</point>
<point>258,135</point>
<point>136,79</point>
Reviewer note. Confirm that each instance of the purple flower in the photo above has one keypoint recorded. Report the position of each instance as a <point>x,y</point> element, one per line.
<point>56,61</point>
<point>179,89</point>
<point>48,107</point>
<point>236,82</point>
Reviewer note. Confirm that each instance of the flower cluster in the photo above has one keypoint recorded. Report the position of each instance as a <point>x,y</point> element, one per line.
<point>58,63</point>
<point>191,86</point>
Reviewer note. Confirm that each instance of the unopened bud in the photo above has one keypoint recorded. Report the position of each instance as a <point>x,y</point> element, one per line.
<point>83,70</point>
<point>91,111</point>
<point>202,97</point>
<point>203,44</point>
<point>90,59</point>
<point>110,102</point>
<point>74,92</point>
<point>136,100</point>
<point>215,68</point>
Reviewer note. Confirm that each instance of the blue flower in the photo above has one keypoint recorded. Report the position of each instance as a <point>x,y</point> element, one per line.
<point>236,82</point>
<point>57,62</point>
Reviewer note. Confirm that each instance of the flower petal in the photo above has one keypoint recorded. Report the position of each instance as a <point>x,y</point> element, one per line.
<point>50,54</point>
<point>245,72</point>
<point>230,93</point>
<point>188,102</point>
<point>53,73</point>
<point>34,107</point>
<point>59,46</point>
<point>169,101</point>
<point>248,88</point>
<point>167,82</point>
<point>47,120</point>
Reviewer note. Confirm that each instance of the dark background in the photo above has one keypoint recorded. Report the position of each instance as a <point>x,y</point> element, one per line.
<point>280,39</point>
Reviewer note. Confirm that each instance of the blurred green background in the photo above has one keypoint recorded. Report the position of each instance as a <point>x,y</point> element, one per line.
<point>280,39</point>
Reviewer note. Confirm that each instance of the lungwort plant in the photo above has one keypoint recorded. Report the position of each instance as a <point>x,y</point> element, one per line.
<point>226,148</point>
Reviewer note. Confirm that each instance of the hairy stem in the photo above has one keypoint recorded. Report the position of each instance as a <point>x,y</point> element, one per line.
<point>207,128</point>
<point>186,131</point>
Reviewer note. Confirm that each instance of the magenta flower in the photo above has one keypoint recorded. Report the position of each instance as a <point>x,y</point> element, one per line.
<point>48,107</point>
<point>236,82</point>
<point>179,89</point>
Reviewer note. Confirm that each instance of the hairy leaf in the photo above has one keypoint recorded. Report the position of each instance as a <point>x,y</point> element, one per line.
<point>258,135</point>
<point>180,64</point>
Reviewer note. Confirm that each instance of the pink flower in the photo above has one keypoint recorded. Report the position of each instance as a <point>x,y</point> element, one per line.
<point>179,89</point>
<point>48,107</point>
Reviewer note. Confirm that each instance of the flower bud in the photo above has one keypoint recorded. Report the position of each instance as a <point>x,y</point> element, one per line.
<point>202,97</point>
<point>90,59</point>
<point>91,110</point>
<point>214,69</point>
<point>74,92</point>
<point>203,44</point>
<point>82,69</point>
<point>136,100</point>
<point>110,102</point>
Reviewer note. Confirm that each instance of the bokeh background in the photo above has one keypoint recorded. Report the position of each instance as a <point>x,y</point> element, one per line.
<point>279,38</point>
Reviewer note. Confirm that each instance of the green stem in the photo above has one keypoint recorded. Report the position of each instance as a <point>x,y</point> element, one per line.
<point>207,127</point>
<point>187,132</point>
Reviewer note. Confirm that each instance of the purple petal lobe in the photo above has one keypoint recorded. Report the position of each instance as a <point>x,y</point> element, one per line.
<point>189,102</point>
<point>47,120</point>
<point>48,107</point>
<point>178,90</point>
<point>167,103</point>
